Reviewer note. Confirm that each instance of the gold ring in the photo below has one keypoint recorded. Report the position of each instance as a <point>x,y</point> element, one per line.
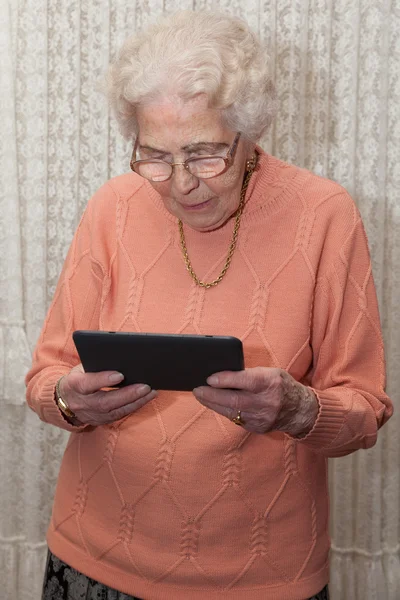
<point>238,419</point>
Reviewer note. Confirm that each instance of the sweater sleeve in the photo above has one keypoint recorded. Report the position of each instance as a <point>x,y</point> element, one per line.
<point>75,305</point>
<point>348,375</point>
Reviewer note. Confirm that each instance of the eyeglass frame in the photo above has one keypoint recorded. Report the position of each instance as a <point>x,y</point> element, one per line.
<point>228,160</point>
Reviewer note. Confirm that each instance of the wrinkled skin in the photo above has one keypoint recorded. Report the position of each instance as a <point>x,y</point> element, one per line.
<point>269,399</point>
<point>175,131</point>
<point>93,405</point>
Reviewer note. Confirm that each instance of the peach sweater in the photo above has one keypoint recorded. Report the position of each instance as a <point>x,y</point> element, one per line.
<point>176,502</point>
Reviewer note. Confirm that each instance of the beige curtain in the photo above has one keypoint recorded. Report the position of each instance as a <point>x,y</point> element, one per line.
<point>336,64</point>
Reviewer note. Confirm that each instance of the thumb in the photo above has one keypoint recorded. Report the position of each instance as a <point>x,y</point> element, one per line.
<point>89,383</point>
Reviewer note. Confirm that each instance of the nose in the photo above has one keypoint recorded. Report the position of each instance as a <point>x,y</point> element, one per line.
<point>183,181</point>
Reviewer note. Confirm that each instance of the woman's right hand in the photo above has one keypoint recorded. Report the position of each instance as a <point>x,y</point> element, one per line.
<point>92,405</point>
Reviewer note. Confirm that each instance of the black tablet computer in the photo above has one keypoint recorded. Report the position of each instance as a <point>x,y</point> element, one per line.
<point>163,361</point>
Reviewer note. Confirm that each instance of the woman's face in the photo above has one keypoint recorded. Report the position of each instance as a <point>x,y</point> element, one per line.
<point>174,131</point>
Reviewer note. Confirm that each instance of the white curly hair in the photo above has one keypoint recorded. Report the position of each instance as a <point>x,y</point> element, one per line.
<point>189,53</point>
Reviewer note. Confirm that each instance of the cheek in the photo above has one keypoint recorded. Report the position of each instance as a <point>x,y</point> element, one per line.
<point>232,179</point>
<point>229,189</point>
<point>228,185</point>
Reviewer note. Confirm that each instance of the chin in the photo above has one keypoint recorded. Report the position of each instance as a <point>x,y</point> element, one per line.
<point>204,220</point>
<point>202,223</point>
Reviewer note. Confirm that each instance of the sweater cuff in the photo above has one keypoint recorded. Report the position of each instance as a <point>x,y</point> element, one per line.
<point>46,407</point>
<point>328,424</point>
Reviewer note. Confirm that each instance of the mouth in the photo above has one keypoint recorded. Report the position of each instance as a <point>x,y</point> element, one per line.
<point>199,206</point>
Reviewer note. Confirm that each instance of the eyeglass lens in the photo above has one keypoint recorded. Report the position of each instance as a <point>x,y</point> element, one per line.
<point>204,168</point>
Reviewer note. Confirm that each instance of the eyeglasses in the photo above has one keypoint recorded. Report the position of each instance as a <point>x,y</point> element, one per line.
<point>204,167</point>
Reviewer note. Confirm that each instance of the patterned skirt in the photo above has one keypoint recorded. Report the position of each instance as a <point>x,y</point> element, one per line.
<point>62,582</point>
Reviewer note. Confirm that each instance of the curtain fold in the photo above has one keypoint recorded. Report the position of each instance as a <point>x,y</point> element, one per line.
<point>336,65</point>
<point>15,353</point>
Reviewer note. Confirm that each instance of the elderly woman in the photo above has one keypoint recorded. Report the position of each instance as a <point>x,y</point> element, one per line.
<point>220,492</point>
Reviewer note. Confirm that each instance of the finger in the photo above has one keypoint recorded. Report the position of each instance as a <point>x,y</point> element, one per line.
<point>237,399</point>
<point>127,409</point>
<point>107,402</point>
<point>94,416</point>
<point>232,399</point>
<point>247,419</point>
<point>242,380</point>
<point>89,383</point>
<point>227,411</point>
<point>253,380</point>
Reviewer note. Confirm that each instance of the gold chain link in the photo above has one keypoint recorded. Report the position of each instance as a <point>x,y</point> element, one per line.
<point>251,165</point>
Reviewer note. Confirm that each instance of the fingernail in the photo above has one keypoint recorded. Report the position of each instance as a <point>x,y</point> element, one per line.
<point>213,380</point>
<point>116,377</point>
<point>198,392</point>
<point>144,389</point>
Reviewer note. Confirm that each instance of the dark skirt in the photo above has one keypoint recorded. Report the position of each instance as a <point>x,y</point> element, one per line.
<point>62,582</point>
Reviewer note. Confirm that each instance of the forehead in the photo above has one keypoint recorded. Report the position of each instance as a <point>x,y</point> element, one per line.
<point>176,121</point>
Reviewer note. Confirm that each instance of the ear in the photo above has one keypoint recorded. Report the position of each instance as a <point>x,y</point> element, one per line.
<point>250,153</point>
<point>252,148</point>
<point>249,149</point>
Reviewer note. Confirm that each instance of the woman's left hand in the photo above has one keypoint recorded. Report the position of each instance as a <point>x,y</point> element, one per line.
<point>268,399</point>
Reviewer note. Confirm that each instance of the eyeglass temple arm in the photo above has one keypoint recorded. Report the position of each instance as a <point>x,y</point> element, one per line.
<point>234,145</point>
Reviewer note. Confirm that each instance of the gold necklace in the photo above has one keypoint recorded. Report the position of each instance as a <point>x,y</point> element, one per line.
<point>251,165</point>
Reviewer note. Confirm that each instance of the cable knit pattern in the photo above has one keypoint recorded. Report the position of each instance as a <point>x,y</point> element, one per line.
<point>175,502</point>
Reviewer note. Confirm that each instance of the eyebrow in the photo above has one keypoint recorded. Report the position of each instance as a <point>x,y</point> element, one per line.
<point>210,146</point>
<point>195,147</point>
